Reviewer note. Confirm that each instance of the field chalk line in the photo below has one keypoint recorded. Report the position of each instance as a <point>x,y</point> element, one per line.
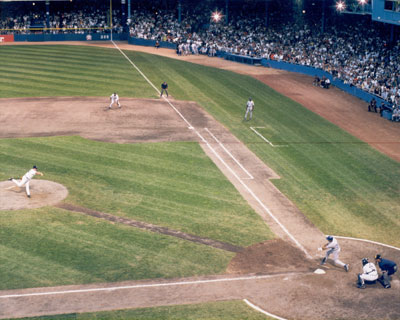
<point>230,154</point>
<point>262,311</point>
<point>225,164</point>
<point>264,138</point>
<point>141,286</point>
<point>369,241</point>
<point>154,87</point>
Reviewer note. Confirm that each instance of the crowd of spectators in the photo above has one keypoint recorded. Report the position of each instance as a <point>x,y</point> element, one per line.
<point>357,53</point>
<point>91,18</point>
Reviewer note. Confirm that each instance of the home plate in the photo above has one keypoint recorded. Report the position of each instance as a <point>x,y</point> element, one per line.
<point>319,271</point>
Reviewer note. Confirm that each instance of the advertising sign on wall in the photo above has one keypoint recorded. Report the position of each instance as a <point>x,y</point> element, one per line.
<point>6,38</point>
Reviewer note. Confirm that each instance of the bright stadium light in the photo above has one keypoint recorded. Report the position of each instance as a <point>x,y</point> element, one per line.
<point>340,6</point>
<point>216,16</point>
<point>362,2</point>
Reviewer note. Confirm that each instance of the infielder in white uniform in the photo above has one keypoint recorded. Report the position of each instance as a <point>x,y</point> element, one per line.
<point>249,108</point>
<point>370,274</point>
<point>333,249</point>
<point>26,179</point>
<point>114,98</point>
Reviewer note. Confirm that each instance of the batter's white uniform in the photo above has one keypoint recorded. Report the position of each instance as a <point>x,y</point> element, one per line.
<point>369,273</point>
<point>114,98</point>
<point>249,108</point>
<point>25,180</point>
<point>334,249</point>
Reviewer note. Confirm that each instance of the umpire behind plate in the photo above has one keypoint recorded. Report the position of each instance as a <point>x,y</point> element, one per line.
<point>388,268</point>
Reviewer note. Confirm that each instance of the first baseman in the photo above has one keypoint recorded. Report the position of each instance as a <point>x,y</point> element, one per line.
<point>114,98</point>
<point>333,249</point>
<point>26,179</point>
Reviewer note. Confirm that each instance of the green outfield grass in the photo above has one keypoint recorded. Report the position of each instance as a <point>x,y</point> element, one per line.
<point>340,183</point>
<point>233,310</point>
<point>168,184</point>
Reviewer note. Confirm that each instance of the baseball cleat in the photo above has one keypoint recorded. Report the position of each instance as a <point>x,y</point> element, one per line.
<point>29,195</point>
<point>346,267</point>
<point>10,179</point>
<point>323,261</point>
<point>361,286</point>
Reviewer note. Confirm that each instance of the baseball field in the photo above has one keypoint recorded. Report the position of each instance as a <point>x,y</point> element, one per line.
<point>147,201</point>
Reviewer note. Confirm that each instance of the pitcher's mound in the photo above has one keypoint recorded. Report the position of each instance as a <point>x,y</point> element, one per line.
<point>43,193</point>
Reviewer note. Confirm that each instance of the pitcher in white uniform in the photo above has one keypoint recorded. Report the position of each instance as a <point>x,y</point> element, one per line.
<point>26,179</point>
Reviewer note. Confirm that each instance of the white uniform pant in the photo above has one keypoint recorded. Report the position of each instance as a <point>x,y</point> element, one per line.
<point>367,277</point>
<point>24,181</point>
<point>251,113</point>
<point>114,101</point>
<point>335,257</point>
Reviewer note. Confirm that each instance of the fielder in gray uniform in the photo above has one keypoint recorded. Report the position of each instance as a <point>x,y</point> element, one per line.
<point>333,249</point>
<point>26,179</point>
<point>249,109</point>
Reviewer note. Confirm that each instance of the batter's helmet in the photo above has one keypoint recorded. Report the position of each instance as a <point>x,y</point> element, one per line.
<point>329,238</point>
<point>364,261</point>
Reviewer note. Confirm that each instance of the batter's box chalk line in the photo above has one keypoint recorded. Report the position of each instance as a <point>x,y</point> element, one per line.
<point>265,139</point>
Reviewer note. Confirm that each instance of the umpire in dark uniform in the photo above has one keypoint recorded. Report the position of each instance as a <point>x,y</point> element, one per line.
<point>164,87</point>
<point>386,265</point>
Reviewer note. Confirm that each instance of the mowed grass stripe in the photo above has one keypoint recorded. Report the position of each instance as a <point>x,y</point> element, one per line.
<point>47,247</point>
<point>145,167</point>
<point>316,144</point>
<point>327,162</point>
<point>221,310</point>
<point>52,72</point>
<point>145,190</point>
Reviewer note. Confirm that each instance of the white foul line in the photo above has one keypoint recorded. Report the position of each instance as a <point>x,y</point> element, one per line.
<point>369,241</point>
<point>141,286</point>
<point>230,154</point>
<point>265,139</point>
<point>262,311</point>
<point>154,87</point>
<point>225,164</point>
<point>255,197</point>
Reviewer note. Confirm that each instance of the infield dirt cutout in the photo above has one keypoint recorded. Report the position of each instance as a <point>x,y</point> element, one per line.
<point>276,275</point>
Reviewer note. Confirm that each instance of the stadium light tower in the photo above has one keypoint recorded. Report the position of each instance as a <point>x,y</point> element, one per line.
<point>340,6</point>
<point>216,16</point>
